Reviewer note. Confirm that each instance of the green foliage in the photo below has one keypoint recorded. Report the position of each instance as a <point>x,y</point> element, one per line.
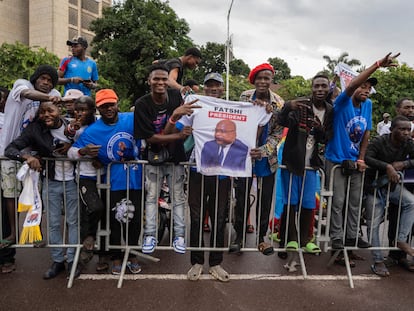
<point>295,87</point>
<point>237,85</point>
<point>213,60</point>
<point>343,58</point>
<point>18,61</point>
<point>130,36</point>
<point>393,84</point>
<point>282,70</point>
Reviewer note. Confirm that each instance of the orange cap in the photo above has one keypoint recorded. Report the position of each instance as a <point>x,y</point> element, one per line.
<point>105,96</point>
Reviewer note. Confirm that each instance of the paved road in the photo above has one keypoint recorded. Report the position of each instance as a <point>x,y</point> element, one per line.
<point>257,283</point>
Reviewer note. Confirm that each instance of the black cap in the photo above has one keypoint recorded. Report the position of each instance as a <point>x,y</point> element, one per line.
<point>373,81</point>
<point>78,40</point>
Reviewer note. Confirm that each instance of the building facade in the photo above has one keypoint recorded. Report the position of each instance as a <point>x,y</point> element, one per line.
<point>48,23</point>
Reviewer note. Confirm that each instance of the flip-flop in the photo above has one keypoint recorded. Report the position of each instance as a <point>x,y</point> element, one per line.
<point>292,246</point>
<point>274,237</point>
<point>265,249</point>
<point>380,269</point>
<point>311,248</point>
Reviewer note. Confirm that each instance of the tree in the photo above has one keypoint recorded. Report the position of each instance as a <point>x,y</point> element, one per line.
<point>343,58</point>
<point>282,70</point>
<point>393,84</point>
<point>213,60</point>
<point>130,36</point>
<point>295,87</point>
<point>19,61</point>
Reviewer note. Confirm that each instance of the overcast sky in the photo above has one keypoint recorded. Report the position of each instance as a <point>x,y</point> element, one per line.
<point>302,31</point>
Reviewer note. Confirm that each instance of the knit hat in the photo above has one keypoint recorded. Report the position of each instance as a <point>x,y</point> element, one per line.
<point>257,69</point>
<point>105,96</point>
<point>45,69</point>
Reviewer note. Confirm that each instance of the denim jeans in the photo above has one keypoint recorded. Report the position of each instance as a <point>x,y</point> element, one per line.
<point>154,176</point>
<point>60,194</point>
<point>375,214</point>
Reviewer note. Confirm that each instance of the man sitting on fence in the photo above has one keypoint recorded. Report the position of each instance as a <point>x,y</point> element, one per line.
<point>389,154</point>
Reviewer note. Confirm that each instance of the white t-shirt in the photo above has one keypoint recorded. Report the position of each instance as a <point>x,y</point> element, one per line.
<point>63,169</point>
<point>246,116</point>
<point>19,112</point>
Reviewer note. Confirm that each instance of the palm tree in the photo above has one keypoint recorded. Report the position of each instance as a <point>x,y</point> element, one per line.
<point>343,58</point>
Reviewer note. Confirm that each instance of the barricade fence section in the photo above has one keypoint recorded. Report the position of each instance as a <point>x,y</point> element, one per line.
<point>125,205</point>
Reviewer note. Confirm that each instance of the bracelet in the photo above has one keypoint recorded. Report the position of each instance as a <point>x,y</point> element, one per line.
<point>360,161</point>
<point>378,64</point>
<point>79,152</point>
<point>171,121</point>
<point>71,80</point>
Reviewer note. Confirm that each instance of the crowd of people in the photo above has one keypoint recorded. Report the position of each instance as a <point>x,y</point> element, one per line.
<point>167,127</point>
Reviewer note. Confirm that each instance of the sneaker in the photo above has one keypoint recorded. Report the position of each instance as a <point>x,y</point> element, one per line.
<point>195,271</point>
<point>219,273</point>
<point>179,245</point>
<point>134,268</point>
<point>149,244</point>
<point>54,270</point>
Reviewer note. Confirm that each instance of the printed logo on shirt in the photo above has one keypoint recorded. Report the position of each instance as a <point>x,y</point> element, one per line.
<point>122,147</point>
<point>356,129</point>
<point>228,113</point>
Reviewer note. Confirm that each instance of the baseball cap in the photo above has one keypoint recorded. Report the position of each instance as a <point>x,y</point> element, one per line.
<point>213,76</point>
<point>72,94</point>
<point>373,81</point>
<point>105,96</point>
<point>386,115</point>
<point>78,40</point>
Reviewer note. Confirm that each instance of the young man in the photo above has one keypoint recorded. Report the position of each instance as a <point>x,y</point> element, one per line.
<point>351,127</point>
<point>153,112</point>
<point>309,121</point>
<point>176,66</point>
<point>21,107</point>
<point>389,154</point>
<point>111,139</point>
<point>78,71</point>
<point>265,159</point>
<point>46,137</point>
<point>207,193</point>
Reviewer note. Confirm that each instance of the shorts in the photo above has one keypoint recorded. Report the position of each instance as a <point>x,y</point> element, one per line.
<point>9,184</point>
<point>309,189</point>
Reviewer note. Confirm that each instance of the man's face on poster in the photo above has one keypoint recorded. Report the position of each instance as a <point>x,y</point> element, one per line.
<point>225,132</point>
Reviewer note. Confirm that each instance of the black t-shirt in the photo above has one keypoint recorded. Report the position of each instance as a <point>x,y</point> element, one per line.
<point>150,119</point>
<point>176,63</point>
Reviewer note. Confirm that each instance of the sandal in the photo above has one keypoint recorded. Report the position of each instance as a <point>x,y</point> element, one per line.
<point>274,237</point>
<point>292,246</point>
<point>265,248</point>
<point>380,269</point>
<point>311,248</point>
<point>8,267</point>
<point>102,266</point>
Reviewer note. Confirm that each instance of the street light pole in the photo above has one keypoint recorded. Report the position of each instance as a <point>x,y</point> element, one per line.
<point>228,51</point>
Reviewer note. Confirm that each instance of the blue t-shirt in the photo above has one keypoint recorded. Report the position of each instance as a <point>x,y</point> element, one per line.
<point>118,144</point>
<point>349,126</point>
<point>87,70</point>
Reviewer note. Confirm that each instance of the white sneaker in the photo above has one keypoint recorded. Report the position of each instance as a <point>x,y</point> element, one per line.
<point>219,273</point>
<point>149,244</point>
<point>194,273</point>
<point>179,245</point>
